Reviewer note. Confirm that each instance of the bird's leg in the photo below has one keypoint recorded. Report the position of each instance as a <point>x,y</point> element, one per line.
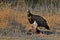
<point>37,30</point>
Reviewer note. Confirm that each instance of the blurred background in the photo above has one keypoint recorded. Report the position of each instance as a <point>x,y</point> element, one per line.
<point>13,14</point>
<point>50,6</point>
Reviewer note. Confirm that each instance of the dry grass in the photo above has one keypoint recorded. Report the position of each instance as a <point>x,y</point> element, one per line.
<point>8,15</point>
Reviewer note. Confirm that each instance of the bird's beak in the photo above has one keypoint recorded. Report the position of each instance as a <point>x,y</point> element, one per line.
<point>28,10</point>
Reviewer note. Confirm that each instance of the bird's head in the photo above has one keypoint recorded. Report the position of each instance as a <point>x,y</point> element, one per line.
<point>29,13</point>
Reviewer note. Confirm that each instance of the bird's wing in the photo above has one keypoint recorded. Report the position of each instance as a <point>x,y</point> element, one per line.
<point>39,18</point>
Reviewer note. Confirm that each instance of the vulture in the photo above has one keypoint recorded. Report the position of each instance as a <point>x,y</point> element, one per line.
<point>37,21</point>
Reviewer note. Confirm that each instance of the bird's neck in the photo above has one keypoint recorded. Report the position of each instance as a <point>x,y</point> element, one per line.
<point>30,14</point>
